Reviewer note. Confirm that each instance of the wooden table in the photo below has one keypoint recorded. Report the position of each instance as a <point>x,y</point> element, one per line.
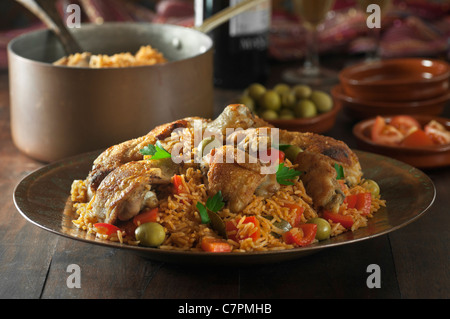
<point>413,261</point>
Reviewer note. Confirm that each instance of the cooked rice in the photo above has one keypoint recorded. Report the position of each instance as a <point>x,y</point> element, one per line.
<point>180,218</point>
<point>145,56</point>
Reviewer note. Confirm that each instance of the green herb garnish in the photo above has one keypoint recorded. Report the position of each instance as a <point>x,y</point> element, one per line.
<point>339,171</point>
<point>213,204</point>
<point>285,174</point>
<point>155,151</point>
<point>203,213</point>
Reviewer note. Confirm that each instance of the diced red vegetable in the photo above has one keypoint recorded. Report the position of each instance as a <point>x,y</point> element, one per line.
<point>363,202</point>
<point>265,157</point>
<point>298,210</point>
<point>233,233</point>
<point>106,229</point>
<point>147,216</point>
<point>344,220</point>
<point>215,245</point>
<point>350,200</point>
<point>178,184</point>
<point>302,235</point>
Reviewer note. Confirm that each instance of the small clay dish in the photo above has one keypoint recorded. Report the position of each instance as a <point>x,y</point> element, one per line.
<point>421,157</point>
<point>317,124</point>
<point>408,79</point>
<point>361,109</point>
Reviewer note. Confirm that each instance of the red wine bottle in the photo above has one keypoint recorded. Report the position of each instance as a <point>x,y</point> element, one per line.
<point>240,45</point>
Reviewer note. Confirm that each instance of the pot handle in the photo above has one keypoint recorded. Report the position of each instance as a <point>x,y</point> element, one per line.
<point>46,11</point>
<point>226,14</point>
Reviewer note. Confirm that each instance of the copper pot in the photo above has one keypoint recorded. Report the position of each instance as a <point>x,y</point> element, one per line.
<point>59,111</point>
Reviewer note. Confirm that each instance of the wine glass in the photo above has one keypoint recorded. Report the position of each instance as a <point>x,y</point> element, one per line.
<point>312,14</point>
<point>384,5</point>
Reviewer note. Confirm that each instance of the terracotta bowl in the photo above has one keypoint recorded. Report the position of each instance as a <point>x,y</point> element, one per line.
<point>317,124</point>
<point>361,109</point>
<point>409,79</point>
<point>420,157</point>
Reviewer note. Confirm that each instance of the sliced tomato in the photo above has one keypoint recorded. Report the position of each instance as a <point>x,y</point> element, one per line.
<point>146,216</point>
<point>363,203</point>
<point>377,127</point>
<point>385,134</point>
<point>437,132</point>
<point>405,124</point>
<point>297,210</point>
<point>233,233</point>
<point>106,229</point>
<point>215,245</point>
<point>417,138</point>
<point>302,235</point>
<point>344,220</point>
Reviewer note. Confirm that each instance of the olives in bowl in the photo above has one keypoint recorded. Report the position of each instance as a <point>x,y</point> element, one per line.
<point>292,107</point>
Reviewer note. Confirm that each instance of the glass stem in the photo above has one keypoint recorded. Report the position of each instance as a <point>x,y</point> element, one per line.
<point>311,65</point>
<point>375,54</point>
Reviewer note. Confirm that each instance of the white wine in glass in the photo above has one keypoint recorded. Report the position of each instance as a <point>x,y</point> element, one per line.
<point>312,13</point>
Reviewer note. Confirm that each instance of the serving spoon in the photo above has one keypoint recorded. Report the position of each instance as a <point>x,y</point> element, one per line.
<point>46,11</point>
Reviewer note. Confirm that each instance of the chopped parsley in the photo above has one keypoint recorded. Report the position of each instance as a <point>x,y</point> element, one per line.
<point>155,151</point>
<point>285,175</point>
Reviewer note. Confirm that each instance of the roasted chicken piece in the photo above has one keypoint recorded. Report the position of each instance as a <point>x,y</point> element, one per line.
<point>124,192</point>
<point>128,151</point>
<point>333,151</point>
<point>238,176</point>
<point>317,161</point>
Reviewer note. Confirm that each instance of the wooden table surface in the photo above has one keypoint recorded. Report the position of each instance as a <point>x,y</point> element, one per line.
<point>413,261</point>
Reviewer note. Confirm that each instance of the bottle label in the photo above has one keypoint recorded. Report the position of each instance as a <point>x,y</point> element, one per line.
<point>254,21</point>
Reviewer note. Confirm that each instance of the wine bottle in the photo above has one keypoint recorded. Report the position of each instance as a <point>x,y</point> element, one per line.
<point>240,45</point>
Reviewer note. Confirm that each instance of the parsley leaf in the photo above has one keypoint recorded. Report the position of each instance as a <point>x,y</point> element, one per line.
<point>285,174</point>
<point>213,204</point>
<point>156,152</point>
<point>203,213</point>
<point>339,171</point>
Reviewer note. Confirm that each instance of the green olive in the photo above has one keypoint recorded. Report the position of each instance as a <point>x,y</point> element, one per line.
<point>323,228</point>
<point>248,102</point>
<point>302,91</point>
<point>256,90</point>
<point>322,100</point>
<point>286,114</point>
<point>269,115</point>
<point>150,234</point>
<point>270,100</point>
<point>282,88</point>
<point>371,186</point>
<point>305,108</point>
<point>291,152</point>
<point>288,99</point>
